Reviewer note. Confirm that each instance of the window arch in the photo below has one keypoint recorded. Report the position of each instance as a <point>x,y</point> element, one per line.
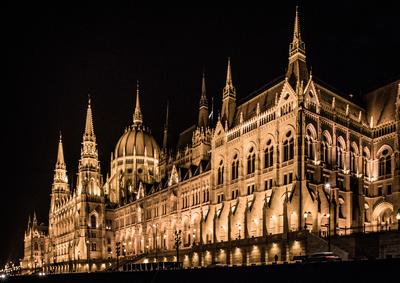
<point>93,221</point>
<point>353,158</point>
<point>235,167</point>
<point>366,157</point>
<point>340,151</point>
<point>325,148</point>
<point>288,147</point>
<point>269,155</point>
<point>251,161</point>
<point>309,143</point>
<point>385,163</point>
<point>220,177</point>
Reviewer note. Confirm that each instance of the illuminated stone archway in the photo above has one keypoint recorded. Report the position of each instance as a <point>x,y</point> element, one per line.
<point>382,213</point>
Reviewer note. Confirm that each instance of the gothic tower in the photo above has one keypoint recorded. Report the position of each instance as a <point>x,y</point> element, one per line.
<point>60,187</point>
<point>90,197</point>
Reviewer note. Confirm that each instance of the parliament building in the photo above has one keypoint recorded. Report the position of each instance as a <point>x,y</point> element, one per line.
<point>272,178</point>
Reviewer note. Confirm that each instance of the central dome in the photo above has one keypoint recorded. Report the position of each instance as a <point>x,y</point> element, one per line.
<point>137,141</point>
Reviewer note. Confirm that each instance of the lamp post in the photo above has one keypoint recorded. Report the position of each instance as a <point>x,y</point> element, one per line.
<point>239,229</point>
<point>328,187</point>
<point>398,220</point>
<point>177,243</point>
<point>155,238</point>
<point>305,221</point>
<point>88,253</point>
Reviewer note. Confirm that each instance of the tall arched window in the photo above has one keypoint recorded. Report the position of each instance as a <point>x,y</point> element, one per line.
<point>93,221</point>
<point>340,154</point>
<point>220,177</point>
<point>325,144</point>
<point>288,147</point>
<point>235,167</point>
<point>269,155</point>
<point>353,159</point>
<point>385,166</point>
<point>309,145</point>
<point>251,161</point>
<point>365,162</point>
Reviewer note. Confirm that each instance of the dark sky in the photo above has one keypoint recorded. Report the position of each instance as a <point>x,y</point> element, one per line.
<point>56,55</point>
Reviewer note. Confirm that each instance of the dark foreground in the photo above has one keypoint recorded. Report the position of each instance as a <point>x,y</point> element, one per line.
<point>357,271</point>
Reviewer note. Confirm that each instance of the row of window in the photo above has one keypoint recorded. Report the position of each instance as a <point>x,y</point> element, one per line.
<point>288,154</point>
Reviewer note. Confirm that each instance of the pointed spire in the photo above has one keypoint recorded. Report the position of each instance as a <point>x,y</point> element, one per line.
<point>34,218</point>
<point>165,138</point>
<point>137,116</point>
<point>203,107</point>
<point>203,98</point>
<point>297,70</point>
<point>29,220</point>
<point>229,88</point>
<point>89,131</point>
<point>60,155</point>
<point>296,30</point>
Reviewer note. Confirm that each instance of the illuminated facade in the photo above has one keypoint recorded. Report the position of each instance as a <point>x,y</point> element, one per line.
<point>293,163</point>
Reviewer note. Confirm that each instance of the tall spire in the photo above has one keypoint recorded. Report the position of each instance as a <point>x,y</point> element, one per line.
<point>89,131</point>
<point>60,180</point>
<point>203,105</point>
<point>34,218</point>
<point>137,116</point>
<point>203,97</point>
<point>296,42</point>
<point>165,138</point>
<point>297,69</point>
<point>228,98</point>
<point>229,89</point>
<point>60,155</point>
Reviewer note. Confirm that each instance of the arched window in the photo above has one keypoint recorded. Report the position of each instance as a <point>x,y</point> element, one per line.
<point>309,145</point>
<point>353,159</point>
<point>220,177</point>
<point>365,162</point>
<point>385,166</point>
<point>35,246</point>
<point>235,167</point>
<point>269,155</point>
<point>93,221</point>
<point>325,144</point>
<point>340,154</point>
<point>251,161</point>
<point>288,147</point>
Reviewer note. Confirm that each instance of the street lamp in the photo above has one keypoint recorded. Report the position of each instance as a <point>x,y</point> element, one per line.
<point>329,231</point>
<point>239,229</point>
<point>194,237</point>
<point>398,220</point>
<point>305,220</point>
<point>88,253</point>
<point>155,238</point>
<point>177,243</point>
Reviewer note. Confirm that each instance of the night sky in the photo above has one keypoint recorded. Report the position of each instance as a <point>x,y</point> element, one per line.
<point>56,55</point>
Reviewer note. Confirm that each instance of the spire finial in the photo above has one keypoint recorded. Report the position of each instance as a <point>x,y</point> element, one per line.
<point>229,89</point>
<point>89,131</point>
<point>60,155</point>
<point>34,217</point>
<point>165,138</point>
<point>203,97</point>
<point>137,116</point>
<point>296,30</point>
